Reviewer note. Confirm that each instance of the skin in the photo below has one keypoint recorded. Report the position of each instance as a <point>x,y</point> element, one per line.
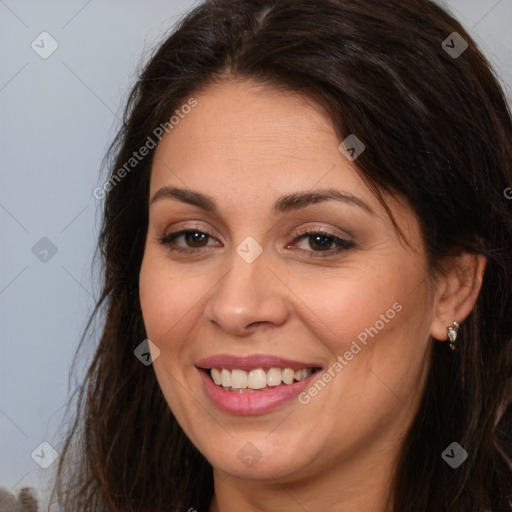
<point>245,145</point>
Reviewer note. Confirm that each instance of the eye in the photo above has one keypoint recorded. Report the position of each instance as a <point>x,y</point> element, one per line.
<point>322,242</point>
<point>187,240</point>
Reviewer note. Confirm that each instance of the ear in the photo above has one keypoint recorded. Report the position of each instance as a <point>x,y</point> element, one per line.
<point>457,289</point>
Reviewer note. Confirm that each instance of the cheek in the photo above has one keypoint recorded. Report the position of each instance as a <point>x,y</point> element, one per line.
<point>170,303</point>
<point>377,321</point>
<point>169,300</point>
<point>351,306</point>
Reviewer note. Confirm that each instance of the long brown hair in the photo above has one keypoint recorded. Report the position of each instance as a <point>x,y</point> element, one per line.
<point>438,133</point>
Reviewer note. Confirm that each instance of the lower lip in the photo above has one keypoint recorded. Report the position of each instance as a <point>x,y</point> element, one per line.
<point>259,402</point>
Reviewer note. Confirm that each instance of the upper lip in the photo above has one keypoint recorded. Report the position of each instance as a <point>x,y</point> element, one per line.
<point>251,362</point>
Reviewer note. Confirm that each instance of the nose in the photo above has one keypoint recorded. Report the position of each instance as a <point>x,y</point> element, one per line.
<point>248,297</point>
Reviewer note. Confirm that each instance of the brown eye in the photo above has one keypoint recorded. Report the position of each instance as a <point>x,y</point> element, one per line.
<point>195,238</point>
<point>320,242</point>
<point>188,240</point>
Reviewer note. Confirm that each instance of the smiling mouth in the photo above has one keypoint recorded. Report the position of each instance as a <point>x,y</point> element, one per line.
<point>259,379</point>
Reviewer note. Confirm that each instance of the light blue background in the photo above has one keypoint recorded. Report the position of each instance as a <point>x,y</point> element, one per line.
<point>58,117</point>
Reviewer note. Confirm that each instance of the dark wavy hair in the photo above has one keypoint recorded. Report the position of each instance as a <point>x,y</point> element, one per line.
<point>438,133</point>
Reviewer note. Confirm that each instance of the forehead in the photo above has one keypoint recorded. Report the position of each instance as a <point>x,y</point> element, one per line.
<point>247,135</point>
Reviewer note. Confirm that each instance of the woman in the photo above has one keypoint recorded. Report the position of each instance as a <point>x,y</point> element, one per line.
<point>306,232</point>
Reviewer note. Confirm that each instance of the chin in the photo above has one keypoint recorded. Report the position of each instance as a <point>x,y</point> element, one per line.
<point>261,459</point>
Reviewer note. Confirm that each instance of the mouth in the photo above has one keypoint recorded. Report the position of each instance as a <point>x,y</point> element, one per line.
<point>256,384</point>
<point>259,379</point>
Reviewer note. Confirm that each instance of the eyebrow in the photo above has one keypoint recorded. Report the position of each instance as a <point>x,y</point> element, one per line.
<point>283,204</point>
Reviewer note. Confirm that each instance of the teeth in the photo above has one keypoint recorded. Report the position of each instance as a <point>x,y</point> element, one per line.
<point>247,382</point>
<point>216,376</point>
<point>257,379</point>
<point>274,377</point>
<point>225,377</point>
<point>238,379</point>
<point>300,374</point>
<point>288,375</point>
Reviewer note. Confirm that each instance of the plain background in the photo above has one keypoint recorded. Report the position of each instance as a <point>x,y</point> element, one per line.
<point>58,116</point>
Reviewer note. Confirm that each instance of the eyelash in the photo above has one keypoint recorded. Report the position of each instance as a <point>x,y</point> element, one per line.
<point>342,244</point>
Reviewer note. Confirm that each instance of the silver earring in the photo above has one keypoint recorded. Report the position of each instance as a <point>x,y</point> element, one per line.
<point>452,334</point>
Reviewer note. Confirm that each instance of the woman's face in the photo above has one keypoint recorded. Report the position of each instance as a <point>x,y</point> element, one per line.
<point>290,269</point>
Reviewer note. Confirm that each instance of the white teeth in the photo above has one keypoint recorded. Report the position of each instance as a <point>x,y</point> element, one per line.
<point>225,376</point>
<point>238,379</point>
<point>216,376</point>
<point>258,379</point>
<point>288,375</point>
<point>300,374</point>
<point>274,377</point>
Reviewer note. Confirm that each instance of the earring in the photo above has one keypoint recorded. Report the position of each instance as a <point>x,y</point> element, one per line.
<point>452,334</point>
